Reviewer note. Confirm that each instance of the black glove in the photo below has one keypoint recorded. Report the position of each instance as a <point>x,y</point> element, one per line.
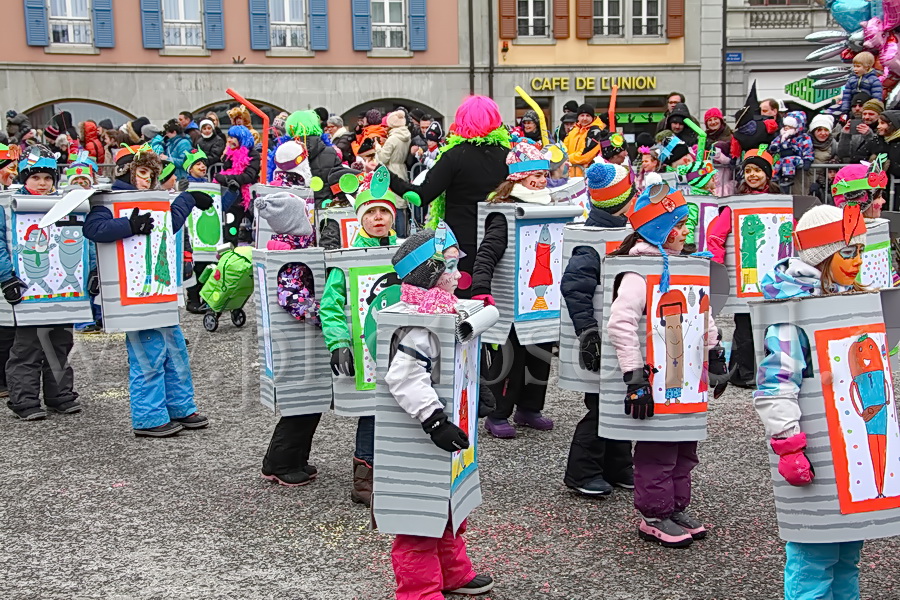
<point>221,179</point>
<point>202,200</point>
<point>234,186</point>
<point>639,397</point>
<point>140,224</point>
<point>342,362</point>
<point>187,270</point>
<point>93,283</point>
<point>445,434</point>
<point>590,350</point>
<point>487,403</point>
<point>718,370</point>
<point>13,290</point>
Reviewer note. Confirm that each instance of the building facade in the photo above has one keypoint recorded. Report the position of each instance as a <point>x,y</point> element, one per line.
<point>765,44</point>
<point>155,58</point>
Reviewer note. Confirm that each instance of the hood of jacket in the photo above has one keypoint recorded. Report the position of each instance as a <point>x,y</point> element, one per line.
<point>90,132</point>
<point>791,278</point>
<point>800,116</point>
<point>401,133</point>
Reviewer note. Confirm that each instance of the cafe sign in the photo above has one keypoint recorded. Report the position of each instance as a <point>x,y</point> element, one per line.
<point>564,84</point>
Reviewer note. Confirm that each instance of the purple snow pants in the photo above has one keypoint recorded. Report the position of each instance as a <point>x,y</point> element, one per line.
<point>662,477</point>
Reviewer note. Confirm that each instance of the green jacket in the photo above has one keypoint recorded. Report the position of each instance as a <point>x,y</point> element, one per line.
<point>335,327</point>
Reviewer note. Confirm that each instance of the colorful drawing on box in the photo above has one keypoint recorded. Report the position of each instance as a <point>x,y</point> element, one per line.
<point>539,258</point>
<point>50,260</point>
<point>366,284</point>
<point>465,409</point>
<point>876,271</point>
<point>146,261</point>
<point>677,326</point>
<point>349,229</point>
<point>861,415</point>
<point>266,323</point>
<point>762,236</point>
<point>205,226</point>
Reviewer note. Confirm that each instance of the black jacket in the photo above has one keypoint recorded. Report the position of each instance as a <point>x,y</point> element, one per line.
<point>582,275</point>
<point>491,250</point>
<point>467,173</point>
<point>343,143</point>
<point>213,146</point>
<point>322,159</point>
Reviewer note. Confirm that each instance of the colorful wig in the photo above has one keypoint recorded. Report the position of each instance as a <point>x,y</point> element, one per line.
<point>477,116</point>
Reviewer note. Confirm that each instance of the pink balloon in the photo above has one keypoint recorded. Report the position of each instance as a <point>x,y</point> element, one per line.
<point>891,14</point>
<point>873,34</point>
<point>888,51</point>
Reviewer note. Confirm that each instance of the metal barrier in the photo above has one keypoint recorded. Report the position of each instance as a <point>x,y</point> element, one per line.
<point>820,174</point>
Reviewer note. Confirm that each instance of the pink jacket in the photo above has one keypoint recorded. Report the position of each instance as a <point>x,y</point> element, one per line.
<point>626,312</point>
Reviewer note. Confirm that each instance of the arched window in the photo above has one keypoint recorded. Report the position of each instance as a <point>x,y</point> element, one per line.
<point>81,110</point>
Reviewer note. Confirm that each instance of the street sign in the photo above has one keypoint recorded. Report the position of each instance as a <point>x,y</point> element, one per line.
<point>734,57</point>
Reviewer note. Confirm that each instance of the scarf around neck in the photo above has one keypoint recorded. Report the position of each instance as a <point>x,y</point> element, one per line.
<point>434,301</point>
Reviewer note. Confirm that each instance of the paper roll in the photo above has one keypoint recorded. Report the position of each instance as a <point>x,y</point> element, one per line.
<point>474,323</point>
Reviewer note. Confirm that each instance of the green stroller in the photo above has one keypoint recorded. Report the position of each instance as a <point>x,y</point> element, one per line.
<point>227,285</point>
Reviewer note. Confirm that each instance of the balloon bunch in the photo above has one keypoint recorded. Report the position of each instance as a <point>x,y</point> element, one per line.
<point>868,25</point>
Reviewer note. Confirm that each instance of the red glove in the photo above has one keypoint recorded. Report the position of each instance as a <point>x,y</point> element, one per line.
<point>717,233</point>
<point>771,125</point>
<point>486,298</point>
<point>793,464</point>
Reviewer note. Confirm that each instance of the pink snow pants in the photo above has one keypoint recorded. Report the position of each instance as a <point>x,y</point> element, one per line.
<point>424,566</point>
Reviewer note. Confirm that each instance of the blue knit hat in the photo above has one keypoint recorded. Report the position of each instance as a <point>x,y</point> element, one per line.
<point>656,212</point>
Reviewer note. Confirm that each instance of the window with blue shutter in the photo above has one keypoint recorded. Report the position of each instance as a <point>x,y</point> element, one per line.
<point>151,23</point>
<point>418,25</point>
<point>215,24</point>
<point>104,28</point>
<point>259,25</point>
<point>318,24</point>
<point>37,29</point>
<point>362,25</point>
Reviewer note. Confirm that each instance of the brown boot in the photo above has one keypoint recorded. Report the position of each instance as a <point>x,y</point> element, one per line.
<point>362,482</point>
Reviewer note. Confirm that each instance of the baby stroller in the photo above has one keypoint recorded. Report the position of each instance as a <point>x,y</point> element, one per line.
<point>227,285</point>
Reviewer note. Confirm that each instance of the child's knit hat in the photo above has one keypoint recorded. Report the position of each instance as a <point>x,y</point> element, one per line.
<point>611,144</point>
<point>83,166</point>
<point>292,157</point>
<point>203,124</point>
<point>611,186</point>
<point>713,113</point>
<point>656,212</point>
<point>285,213</point>
<point>396,119</point>
<point>525,159</point>
<point>698,174</point>
<point>861,177</point>
<point>374,191</point>
<point>168,170</point>
<point>821,120</point>
<point>192,156</point>
<point>420,260</point>
<point>38,160</point>
<point>824,230</point>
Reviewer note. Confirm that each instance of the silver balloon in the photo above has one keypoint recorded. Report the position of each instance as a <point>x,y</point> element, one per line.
<point>855,41</point>
<point>893,99</point>
<point>829,84</point>
<point>829,72</point>
<point>826,52</point>
<point>827,37</point>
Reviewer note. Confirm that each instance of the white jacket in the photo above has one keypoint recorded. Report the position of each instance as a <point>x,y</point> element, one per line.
<point>408,377</point>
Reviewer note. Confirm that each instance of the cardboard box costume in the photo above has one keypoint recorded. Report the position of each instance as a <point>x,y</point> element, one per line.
<point>262,232</point>
<point>572,376</point>
<point>417,486</point>
<point>345,218</point>
<point>847,405</point>
<point>204,227</point>
<point>526,283</point>
<point>675,326</point>
<point>295,376</point>
<point>53,261</point>
<point>371,285</point>
<point>140,276</point>
<point>575,192</point>
<point>877,268</point>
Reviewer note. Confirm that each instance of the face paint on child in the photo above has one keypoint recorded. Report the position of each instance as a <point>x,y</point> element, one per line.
<point>449,281</point>
<point>81,181</point>
<point>874,211</point>
<point>845,265</point>
<point>233,143</point>
<point>675,240</point>
<point>536,180</point>
<point>143,178</point>
<point>198,169</point>
<point>377,222</point>
<point>8,174</point>
<point>40,184</point>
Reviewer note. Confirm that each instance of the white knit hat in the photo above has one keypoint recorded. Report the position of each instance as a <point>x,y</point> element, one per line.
<point>825,229</point>
<point>821,120</point>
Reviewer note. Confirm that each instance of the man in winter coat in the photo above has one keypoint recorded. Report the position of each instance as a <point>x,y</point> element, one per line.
<point>672,100</point>
<point>90,140</point>
<point>856,142</point>
<point>582,142</point>
<point>177,146</point>
<point>529,127</point>
<point>675,123</point>
<point>17,125</point>
<point>186,120</point>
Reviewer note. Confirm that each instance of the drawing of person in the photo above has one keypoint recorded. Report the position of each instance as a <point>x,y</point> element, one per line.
<point>752,239</point>
<point>785,240</point>
<point>704,313</point>
<point>542,275</point>
<point>671,309</point>
<point>870,397</point>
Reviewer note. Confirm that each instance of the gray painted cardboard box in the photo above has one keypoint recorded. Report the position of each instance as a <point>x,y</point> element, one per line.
<point>295,366</point>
